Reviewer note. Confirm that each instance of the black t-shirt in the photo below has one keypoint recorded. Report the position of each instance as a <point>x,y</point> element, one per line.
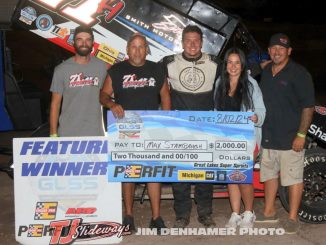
<point>137,88</point>
<point>231,104</point>
<point>285,96</point>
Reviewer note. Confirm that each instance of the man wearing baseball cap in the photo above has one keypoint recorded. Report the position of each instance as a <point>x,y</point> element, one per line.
<point>281,40</point>
<point>289,99</point>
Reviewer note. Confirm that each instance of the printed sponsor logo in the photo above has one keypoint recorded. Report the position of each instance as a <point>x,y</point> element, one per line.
<point>130,126</point>
<point>237,176</point>
<point>133,171</point>
<point>321,110</point>
<point>79,231</point>
<point>111,51</point>
<point>70,39</point>
<point>209,175</point>
<point>45,210</point>
<point>105,57</point>
<point>27,15</point>
<point>87,212</point>
<point>192,78</point>
<point>221,175</point>
<point>137,171</point>
<point>72,230</point>
<point>60,32</point>
<point>86,12</point>
<point>81,80</point>
<point>44,22</point>
<point>284,40</point>
<point>131,81</point>
<point>35,230</point>
<point>129,130</point>
<point>110,9</point>
<point>167,31</point>
<point>171,24</point>
<point>71,184</point>
<point>191,175</point>
<point>109,54</point>
<point>317,131</point>
<point>311,216</point>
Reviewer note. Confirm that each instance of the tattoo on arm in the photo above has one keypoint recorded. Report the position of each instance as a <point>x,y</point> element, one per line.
<point>306,118</point>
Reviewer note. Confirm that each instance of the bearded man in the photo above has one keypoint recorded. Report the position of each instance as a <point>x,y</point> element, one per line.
<point>76,84</point>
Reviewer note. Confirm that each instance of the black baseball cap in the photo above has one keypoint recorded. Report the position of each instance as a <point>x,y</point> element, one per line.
<point>280,39</point>
<point>86,29</point>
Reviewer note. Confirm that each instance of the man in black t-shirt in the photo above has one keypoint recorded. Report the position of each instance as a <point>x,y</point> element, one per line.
<point>137,84</point>
<point>289,99</point>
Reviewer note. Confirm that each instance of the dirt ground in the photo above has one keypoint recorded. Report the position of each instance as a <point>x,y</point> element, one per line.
<point>308,234</point>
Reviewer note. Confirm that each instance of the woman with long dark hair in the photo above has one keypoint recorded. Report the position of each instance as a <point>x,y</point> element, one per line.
<point>236,90</point>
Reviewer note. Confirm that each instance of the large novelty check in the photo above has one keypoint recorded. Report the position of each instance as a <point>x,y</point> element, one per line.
<point>181,146</point>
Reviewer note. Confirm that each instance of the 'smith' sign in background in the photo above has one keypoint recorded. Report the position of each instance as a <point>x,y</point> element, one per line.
<point>113,23</point>
<point>181,146</point>
<point>62,195</point>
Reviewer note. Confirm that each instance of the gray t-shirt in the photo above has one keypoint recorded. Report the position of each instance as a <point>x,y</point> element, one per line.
<point>81,112</point>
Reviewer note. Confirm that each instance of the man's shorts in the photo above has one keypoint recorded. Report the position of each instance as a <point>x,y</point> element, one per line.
<point>286,164</point>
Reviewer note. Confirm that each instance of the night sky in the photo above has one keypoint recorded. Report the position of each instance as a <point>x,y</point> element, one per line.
<point>299,11</point>
<point>303,21</point>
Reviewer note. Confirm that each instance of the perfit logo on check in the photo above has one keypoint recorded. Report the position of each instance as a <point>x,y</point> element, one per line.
<point>138,171</point>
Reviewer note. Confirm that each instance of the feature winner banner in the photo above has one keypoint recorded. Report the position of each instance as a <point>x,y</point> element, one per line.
<point>181,146</point>
<point>62,195</point>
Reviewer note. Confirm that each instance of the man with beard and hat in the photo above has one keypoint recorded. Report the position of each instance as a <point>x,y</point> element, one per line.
<point>77,83</point>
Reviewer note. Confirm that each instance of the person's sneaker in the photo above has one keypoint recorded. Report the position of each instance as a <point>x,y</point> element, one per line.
<point>261,218</point>
<point>234,221</point>
<point>248,219</point>
<point>158,224</point>
<point>291,226</point>
<point>181,223</point>
<point>129,220</point>
<point>207,221</point>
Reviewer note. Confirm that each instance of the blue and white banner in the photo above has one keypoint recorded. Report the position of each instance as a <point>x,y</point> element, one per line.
<point>181,146</point>
<point>61,184</point>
